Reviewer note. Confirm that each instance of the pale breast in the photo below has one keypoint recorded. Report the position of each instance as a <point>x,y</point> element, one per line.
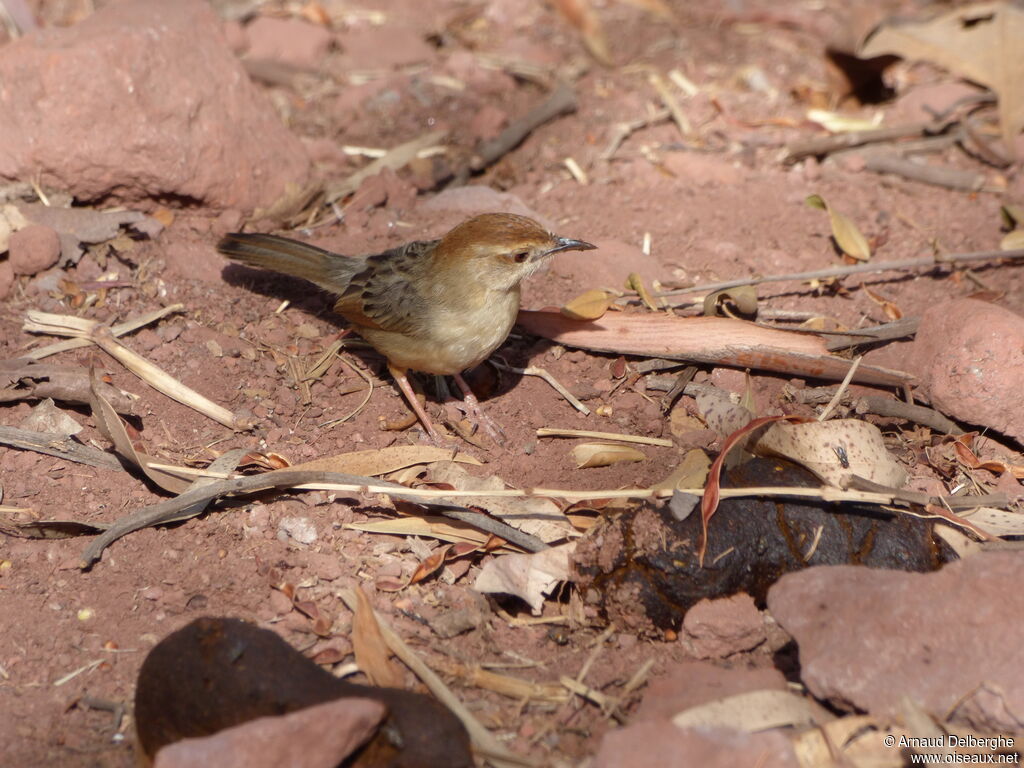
<point>455,340</point>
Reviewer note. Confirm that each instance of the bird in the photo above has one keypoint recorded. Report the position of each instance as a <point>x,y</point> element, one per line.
<point>437,306</point>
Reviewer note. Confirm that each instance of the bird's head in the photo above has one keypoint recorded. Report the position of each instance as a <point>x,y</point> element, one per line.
<point>500,249</point>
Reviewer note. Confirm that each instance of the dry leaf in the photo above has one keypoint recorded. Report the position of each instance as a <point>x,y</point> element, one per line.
<point>381,461</point>
<point>636,283</point>
<point>750,712</point>
<point>998,522</point>
<point>847,236</point>
<point>371,650</point>
<point>1012,216</point>
<point>1012,240</point>
<point>588,306</point>
<point>981,42</point>
<point>441,528</point>
<point>834,449</point>
<point>588,455</point>
<point>720,411</point>
<point>692,472</point>
<point>743,297</point>
<point>529,577</point>
<point>110,426</point>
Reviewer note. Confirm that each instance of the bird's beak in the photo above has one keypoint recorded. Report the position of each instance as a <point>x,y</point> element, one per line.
<point>565,244</point>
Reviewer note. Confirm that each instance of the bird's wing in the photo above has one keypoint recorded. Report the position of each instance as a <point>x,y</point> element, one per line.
<point>383,295</point>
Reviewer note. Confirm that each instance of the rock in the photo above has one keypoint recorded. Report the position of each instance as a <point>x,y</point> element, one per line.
<point>608,266</point>
<point>658,742</point>
<point>714,629</point>
<point>968,355</point>
<point>6,278</point>
<point>320,736</point>
<point>689,684</point>
<point>385,47</point>
<point>33,249</point>
<point>474,199</point>
<point>948,640</point>
<point>218,141</point>
<point>294,42</point>
<point>300,529</point>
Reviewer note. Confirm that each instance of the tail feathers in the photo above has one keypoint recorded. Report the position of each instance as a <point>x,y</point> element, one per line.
<point>282,254</point>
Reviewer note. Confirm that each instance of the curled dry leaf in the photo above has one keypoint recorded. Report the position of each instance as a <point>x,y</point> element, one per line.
<point>834,449</point>
<point>529,577</point>
<point>743,297</point>
<point>692,472</point>
<point>589,305</point>
<point>587,455</point>
<point>847,236</point>
<point>998,522</point>
<point>1012,216</point>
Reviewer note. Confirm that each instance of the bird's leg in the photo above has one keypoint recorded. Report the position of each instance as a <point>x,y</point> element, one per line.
<point>476,412</point>
<point>403,384</point>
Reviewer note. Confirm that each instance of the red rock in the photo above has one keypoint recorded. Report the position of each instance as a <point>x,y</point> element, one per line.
<point>289,41</point>
<point>969,355</point>
<point>218,140</point>
<point>949,640</point>
<point>487,122</point>
<point>385,47</point>
<point>6,278</point>
<point>659,743</point>
<point>321,736</point>
<point>33,249</point>
<point>714,629</point>
<point>692,683</point>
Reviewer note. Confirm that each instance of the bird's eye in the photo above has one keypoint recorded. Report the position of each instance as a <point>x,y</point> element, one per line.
<point>521,257</point>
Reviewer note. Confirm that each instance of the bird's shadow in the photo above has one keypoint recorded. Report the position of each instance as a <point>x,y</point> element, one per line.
<point>486,380</point>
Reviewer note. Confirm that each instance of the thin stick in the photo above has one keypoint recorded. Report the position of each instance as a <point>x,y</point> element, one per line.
<point>396,158</point>
<point>556,385</point>
<point>840,390</point>
<point>926,261</point>
<point>669,100</point>
<point>553,432</point>
<point>624,130</point>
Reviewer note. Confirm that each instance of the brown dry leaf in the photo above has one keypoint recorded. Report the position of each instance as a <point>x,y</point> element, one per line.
<point>539,517</point>
<point>636,283</point>
<point>587,455</point>
<point>834,449</point>
<point>1012,215</point>
<point>858,738</point>
<point>432,564</point>
<point>529,577</point>
<point>847,236</point>
<point>371,650</point>
<point>581,15</point>
<point>109,424</point>
<point>980,42</point>
<point>381,461</point>
<point>1012,240</point>
<point>750,712</point>
<point>589,305</point>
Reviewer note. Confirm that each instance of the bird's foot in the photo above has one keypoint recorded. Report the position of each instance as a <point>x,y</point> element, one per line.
<point>478,415</point>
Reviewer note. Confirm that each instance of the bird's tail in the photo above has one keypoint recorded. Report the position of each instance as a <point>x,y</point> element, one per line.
<point>291,257</point>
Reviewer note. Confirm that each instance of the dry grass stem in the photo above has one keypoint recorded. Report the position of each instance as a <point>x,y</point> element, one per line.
<point>671,104</point>
<point>838,396</point>
<point>132,324</point>
<point>555,384</point>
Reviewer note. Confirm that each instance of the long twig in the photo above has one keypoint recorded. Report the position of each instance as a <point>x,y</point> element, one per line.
<point>854,269</point>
